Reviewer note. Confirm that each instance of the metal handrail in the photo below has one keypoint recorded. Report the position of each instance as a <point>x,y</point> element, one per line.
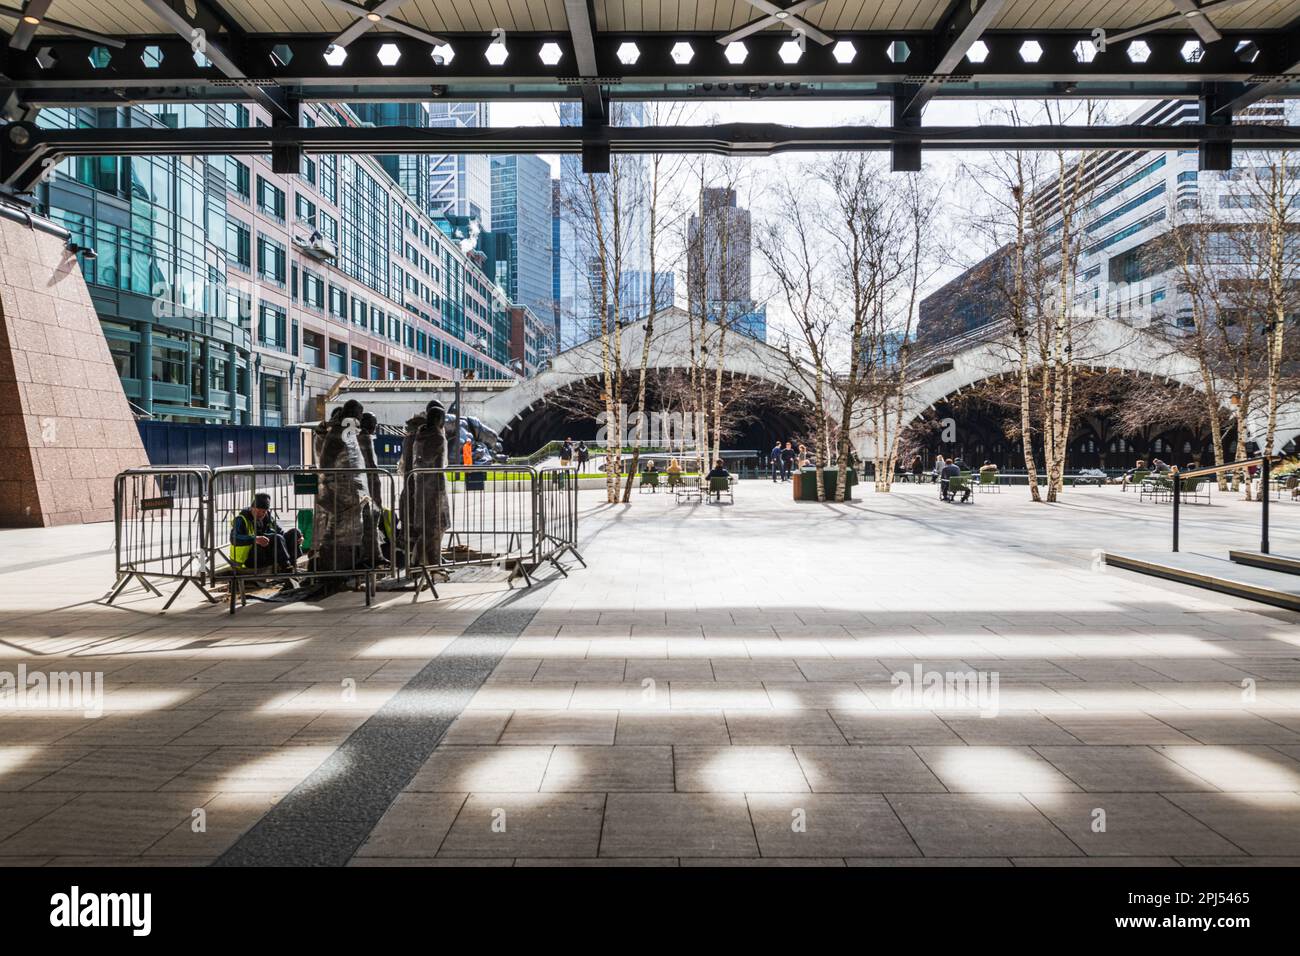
<point>1231,466</point>
<point>1263,461</point>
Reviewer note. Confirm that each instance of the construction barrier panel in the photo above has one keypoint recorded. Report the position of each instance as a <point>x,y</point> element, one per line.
<point>453,517</point>
<point>335,525</point>
<point>557,516</point>
<point>160,528</point>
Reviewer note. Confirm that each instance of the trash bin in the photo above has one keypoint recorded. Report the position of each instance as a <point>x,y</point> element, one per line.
<point>805,484</point>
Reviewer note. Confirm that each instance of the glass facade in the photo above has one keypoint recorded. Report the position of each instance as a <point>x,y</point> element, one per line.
<point>159,228</point>
<point>229,293</point>
<point>521,209</point>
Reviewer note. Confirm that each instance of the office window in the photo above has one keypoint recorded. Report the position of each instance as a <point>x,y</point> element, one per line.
<point>237,177</point>
<point>338,303</point>
<point>270,199</point>
<point>271,327</point>
<point>239,244</point>
<point>168,365</point>
<point>304,207</point>
<point>328,226</point>
<point>270,260</point>
<point>313,348</point>
<point>123,353</point>
<point>338,357</point>
<point>272,400</point>
<point>328,178</point>
<point>313,290</point>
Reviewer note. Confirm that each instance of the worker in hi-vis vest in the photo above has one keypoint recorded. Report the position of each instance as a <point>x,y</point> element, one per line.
<point>258,542</point>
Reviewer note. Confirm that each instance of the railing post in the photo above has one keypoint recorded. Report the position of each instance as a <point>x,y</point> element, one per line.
<point>1263,488</point>
<point>1178,483</point>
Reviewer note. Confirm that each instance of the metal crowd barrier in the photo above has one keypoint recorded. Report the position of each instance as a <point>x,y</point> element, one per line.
<point>490,520</point>
<point>363,528</point>
<point>161,528</point>
<point>557,516</point>
<point>343,519</point>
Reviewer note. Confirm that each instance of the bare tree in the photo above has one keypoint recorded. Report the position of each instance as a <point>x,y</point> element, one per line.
<point>892,342</point>
<point>789,245</point>
<point>1035,207</point>
<point>661,211</point>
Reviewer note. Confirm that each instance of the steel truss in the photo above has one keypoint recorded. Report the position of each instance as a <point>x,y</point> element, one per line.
<point>27,151</point>
<point>64,70</point>
<point>907,69</point>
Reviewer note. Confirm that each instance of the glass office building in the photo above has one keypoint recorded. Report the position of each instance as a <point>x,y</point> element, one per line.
<point>229,293</point>
<point>521,208</point>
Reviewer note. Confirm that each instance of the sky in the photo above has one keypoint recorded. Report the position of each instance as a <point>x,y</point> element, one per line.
<point>960,246</point>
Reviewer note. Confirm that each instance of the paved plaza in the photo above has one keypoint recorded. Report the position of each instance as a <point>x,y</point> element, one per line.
<point>893,681</point>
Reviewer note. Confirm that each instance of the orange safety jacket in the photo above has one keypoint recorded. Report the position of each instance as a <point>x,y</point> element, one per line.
<point>467,453</point>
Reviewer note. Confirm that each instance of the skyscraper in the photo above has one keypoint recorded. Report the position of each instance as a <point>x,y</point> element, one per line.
<point>521,208</point>
<point>719,250</point>
<point>459,183</point>
<point>578,252</point>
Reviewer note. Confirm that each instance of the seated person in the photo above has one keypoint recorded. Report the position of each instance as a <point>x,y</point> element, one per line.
<point>650,468</point>
<point>257,542</point>
<point>951,471</point>
<point>719,471</point>
<point>987,467</point>
<point>1159,467</point>
<point>1128,475</point>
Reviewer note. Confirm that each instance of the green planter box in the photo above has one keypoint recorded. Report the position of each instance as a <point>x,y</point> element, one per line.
<point>805,484</point>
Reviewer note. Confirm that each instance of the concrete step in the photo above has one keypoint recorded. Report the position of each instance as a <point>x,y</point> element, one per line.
<point>1271,562</point>
<point>1281,589</point>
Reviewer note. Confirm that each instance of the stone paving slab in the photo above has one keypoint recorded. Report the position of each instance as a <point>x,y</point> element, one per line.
<point>756,708</point>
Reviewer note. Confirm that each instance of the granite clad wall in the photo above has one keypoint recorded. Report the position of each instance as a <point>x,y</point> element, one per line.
<point>65,426</point>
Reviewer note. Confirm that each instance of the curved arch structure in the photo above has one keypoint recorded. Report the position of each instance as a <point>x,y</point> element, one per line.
<point>506,407</point>
<point>1106,345</point>
<point>670,348</point>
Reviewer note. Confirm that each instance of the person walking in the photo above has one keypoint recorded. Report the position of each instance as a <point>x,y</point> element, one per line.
<point>584,455</point>
<point>566,453</point>
<point>787,460</point>
<point>917,468</point>
<point>774,457</point>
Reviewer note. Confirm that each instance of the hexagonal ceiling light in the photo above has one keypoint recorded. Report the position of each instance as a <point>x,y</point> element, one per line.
<point>628,53</point>
<point>550,53</point>
<point>790,52</point>
<point>496,53</point>
<point>682,53</point>
<point>844,51</point>
<point>736,53</point>
<point>1031,51</point>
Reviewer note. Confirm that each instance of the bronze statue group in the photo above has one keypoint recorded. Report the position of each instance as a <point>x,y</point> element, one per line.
<point>354,528</point>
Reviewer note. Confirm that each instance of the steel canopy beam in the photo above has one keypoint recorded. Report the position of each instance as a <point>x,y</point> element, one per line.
<point>958,32</point>
<point>581,16</point>
<point>26,149</point>
<point>218,57</point>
